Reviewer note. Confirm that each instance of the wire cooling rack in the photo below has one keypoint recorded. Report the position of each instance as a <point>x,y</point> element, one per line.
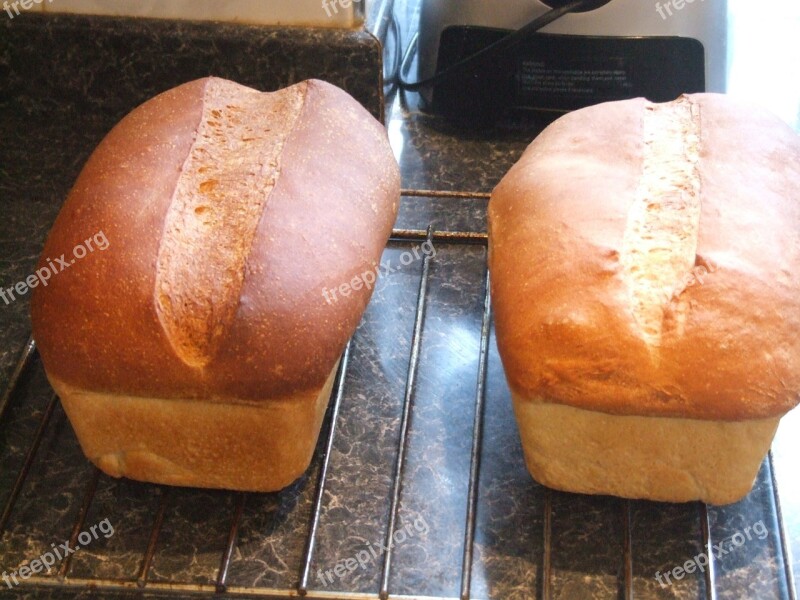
<point>550,545</point>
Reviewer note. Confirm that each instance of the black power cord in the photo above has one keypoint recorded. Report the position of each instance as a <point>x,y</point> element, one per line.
<point>503,44</point>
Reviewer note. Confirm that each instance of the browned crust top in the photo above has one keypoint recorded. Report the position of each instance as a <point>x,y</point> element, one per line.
<point>326,219</point>
<point>568,331</point>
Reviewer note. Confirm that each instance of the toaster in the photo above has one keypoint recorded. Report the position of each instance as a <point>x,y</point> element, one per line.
<point>606,50</point>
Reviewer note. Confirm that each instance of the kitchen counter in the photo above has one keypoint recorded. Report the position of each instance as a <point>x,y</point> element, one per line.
<point>587,547</point>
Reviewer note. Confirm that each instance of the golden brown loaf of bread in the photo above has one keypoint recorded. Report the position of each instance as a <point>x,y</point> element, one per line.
<point>198,349</point>
<point>645,264</point>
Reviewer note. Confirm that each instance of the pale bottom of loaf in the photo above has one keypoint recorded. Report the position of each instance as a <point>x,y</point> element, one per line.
<point>654,458</point>
<point>260,448</point>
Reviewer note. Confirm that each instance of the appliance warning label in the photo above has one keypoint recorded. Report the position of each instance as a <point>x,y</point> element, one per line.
<point>537,79</point>
<point>567,72</point>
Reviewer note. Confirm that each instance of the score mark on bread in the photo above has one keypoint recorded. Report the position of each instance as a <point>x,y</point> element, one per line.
<point>659,246</point>
<point>644,262</point>
<point>222,191</point>
<point>198,350</point>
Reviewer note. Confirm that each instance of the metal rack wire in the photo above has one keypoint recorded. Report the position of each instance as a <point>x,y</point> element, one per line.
<point>142,583</point>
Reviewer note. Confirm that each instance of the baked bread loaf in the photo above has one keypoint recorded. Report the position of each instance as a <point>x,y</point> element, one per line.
<point>645,263</point>
<point>199,348</point>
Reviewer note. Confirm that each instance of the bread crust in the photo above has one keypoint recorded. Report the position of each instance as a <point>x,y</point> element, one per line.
<point>567,332</point>
<point>259,447</point>
<point>326,219</point>
<point>665,459</point>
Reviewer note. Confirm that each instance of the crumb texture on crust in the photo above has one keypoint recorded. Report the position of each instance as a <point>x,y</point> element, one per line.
<point>660,241</point>
<point>232,168</point>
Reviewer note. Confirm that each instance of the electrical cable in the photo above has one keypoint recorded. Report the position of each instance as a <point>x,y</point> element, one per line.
<point>497,47</point>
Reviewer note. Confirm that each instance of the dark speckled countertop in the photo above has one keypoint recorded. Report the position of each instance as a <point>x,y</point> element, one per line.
<point>529,542</point>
